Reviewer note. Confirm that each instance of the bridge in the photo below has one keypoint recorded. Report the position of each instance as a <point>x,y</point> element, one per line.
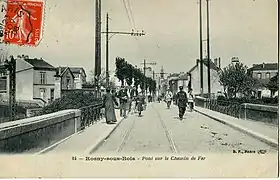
<point>210,128</point>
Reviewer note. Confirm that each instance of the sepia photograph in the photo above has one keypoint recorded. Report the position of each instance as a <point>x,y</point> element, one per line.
<point>139,88</point>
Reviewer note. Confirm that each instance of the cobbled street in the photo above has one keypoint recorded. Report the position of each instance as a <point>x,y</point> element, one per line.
<point>160,130</point>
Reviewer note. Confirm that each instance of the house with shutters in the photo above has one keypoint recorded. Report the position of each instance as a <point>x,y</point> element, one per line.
<point>263,73</point>
<point>34,80</point>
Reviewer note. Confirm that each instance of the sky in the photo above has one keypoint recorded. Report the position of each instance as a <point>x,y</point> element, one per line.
<point>243,28</point>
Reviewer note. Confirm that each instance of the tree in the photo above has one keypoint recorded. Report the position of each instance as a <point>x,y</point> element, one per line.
<point>273,84</point>
<point>120,68</point>
<point>235,79</point>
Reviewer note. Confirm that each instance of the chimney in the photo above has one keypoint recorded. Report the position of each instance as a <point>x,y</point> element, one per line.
<point>219,62</point>
<point>263,65</point>
<point>59,70</point>
<point>215,61</point>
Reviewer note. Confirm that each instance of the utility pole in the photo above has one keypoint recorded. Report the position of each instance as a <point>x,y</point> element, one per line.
<point>107,50</point>
<point>201,51</point>
<point>97,68</point>
<point>208,50</point>
<point>107,32</point>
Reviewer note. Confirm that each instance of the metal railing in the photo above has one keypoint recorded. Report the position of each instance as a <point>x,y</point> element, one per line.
<point>226,107</point>
<point>91,114</point>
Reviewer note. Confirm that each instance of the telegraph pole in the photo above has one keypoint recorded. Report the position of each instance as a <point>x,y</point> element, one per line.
<point>97,68</point>
<point>201,51</point>
<point>107,50</point>
<point>208,50</point>
<point>107,32</point>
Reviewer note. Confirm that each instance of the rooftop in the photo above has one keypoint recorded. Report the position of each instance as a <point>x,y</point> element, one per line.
<point>39,63</point>
<point>264,66</point>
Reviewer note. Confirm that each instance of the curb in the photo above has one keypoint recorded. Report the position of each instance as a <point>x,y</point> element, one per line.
<point>271,142</point>
<point>102,138</point>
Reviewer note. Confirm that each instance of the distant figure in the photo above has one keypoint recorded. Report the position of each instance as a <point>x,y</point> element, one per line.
<point>190,99</point>
<point>108,104</point>
<point>123,97</point>
<point>140,100</point>
<point>168,98</point>
<point>182,100</point>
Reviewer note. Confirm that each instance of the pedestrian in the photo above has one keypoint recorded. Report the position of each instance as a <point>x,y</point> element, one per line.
<point>190,100</point>
<point>182,100</point>
<point>123,98</point>
<point>140,100</point>
<point>168,98</point>
<point>108,103</point>
<point>130,99</point>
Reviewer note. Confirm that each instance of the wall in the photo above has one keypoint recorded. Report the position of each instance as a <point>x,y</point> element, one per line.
<point>34,134</point>
<point>24,80</point>
<point>257,112</point>
<point>50,84</point>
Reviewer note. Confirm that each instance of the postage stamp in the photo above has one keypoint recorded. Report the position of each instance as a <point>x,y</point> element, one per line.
<point>21,22</point>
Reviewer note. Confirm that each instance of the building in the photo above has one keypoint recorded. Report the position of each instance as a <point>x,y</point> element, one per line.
<point>183,80</point>
<point>215,85</point>
<point>34,80</point>
<point>263,73</point>
<point>67,78</point>
<point>173,82</point>
<point>80,76</point>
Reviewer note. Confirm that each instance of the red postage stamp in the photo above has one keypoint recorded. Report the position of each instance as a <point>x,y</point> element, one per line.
<point>23,22</point>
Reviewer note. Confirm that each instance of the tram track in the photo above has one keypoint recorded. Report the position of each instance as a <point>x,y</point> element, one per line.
<point>172,144</point>
<point>126,138</point>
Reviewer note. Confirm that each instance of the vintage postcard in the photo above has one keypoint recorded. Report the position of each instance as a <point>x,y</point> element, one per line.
<point>139,88</point>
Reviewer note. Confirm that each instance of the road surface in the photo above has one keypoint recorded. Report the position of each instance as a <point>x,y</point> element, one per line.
<point>160,130</point>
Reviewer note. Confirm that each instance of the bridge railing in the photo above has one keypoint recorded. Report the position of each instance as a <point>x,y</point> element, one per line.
<point>225,107</point>
<point>91,114</point>
<point>257,112</point>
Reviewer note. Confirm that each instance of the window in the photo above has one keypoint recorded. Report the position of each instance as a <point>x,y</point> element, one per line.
<point>42,77</point>
<point>259,75</point>
<point>42,93</point>
<point>52,94</point>
<point>267,75</point>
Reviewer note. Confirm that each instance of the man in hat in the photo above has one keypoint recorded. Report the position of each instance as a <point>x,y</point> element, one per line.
<point>182,100</point>
<point>123,98</point>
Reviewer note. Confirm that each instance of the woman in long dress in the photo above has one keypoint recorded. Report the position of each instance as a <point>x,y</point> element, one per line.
<point>108,103</point>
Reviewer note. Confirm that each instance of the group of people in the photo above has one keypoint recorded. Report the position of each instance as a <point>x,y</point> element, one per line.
<point>181,99</point>
<point>125,103</point>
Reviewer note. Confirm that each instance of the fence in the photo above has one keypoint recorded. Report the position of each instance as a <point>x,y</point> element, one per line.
<point>225,107</point>
<point>257,112</point>
<point>90,114</point>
